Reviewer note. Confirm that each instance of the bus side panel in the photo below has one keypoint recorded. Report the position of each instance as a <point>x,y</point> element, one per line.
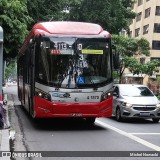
<point>46,109</point>
<point>20,87</point>
<point>27,96</point>
<point>26,77</point>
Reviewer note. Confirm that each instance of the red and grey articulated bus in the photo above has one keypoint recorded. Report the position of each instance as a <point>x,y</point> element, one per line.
<point>65,70</point>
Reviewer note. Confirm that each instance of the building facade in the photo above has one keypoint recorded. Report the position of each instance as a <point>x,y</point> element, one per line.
<point>147,25</point>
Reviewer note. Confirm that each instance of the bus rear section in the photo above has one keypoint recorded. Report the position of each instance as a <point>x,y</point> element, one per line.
<point>66,74</point>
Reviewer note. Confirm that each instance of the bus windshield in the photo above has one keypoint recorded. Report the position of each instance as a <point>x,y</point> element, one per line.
<point>69,62</point>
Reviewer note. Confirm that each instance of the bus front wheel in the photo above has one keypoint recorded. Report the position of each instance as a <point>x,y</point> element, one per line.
<point>90,120</point>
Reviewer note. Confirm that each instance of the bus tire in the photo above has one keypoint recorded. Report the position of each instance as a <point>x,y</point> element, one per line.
<point>90,120</point>
<point>31,108</point>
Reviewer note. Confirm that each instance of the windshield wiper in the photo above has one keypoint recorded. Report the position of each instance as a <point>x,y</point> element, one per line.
<point>94,85</point>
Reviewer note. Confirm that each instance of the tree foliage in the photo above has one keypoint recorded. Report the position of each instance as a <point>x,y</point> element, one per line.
<point>45,10</point>
<point>10,69</point>
<point>136,67</point>
<point>14,20</point>
<point>17,17</point>
<point>127,48</point>
<point>112,15</point>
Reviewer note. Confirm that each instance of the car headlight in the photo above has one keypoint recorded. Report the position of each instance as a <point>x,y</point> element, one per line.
<point>127,105</point>
<point>158,105</point>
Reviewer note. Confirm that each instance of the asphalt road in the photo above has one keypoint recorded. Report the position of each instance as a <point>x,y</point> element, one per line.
<point>131,139</point>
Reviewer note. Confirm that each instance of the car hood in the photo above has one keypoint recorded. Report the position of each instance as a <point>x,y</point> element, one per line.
<point>141,100</point>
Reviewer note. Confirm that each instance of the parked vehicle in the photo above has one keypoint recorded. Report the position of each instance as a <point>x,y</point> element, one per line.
<point>135,101</point>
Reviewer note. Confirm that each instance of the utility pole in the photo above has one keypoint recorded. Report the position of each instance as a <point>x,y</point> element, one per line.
<point>1,63</point>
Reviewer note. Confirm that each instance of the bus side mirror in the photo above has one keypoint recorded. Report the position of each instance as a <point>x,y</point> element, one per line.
<point>116,61</point>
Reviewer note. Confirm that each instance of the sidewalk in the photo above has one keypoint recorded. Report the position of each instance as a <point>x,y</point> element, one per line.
<point>4,140</point>
<point>4,136</point>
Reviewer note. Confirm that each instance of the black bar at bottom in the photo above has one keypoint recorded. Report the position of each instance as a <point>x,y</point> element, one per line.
<point>80,154</point>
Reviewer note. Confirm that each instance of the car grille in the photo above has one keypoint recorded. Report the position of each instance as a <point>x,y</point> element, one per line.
<point>144,108</point>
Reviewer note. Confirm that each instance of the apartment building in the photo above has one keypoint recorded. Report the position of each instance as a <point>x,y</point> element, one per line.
<point>147,25</point>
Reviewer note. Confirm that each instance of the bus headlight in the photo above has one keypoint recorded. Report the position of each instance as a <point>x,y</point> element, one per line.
<point>106,95</point>
<point>43,95</point>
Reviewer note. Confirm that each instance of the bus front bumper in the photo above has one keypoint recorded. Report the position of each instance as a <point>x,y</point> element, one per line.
<point>47,109</point>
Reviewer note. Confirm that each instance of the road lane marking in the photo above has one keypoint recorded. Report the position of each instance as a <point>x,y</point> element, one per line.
<point>145,133</point>
<point>137,139</point>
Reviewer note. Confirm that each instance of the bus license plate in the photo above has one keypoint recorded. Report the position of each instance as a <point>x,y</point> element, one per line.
<point>76,114</point>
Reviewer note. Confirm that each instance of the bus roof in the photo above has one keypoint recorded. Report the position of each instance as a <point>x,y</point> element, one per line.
<point>65,28</point>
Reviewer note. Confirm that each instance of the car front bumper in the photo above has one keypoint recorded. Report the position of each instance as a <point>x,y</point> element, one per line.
<point>132,113</point>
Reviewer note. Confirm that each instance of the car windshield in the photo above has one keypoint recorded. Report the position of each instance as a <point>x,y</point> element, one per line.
<point>70,62</point>
<point>135,91</point>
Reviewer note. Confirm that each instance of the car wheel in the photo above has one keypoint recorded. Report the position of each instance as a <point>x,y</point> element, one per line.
<point>155,120</point>
<point>90,120</point>
<point>118,115</point>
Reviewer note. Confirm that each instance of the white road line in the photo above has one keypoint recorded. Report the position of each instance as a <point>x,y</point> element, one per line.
<point>145,133</point>
<point>139,140</point>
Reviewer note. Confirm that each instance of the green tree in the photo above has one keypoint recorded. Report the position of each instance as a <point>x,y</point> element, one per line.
<point>128,47</point>
<point>17,17</point>
<point>112,15</point>
<point>10,69</point>
<point>148,68</point>
<point>14,20</point>
<point>46,10</point>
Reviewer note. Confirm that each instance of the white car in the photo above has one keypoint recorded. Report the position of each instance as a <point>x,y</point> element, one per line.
<point>135,101</point>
